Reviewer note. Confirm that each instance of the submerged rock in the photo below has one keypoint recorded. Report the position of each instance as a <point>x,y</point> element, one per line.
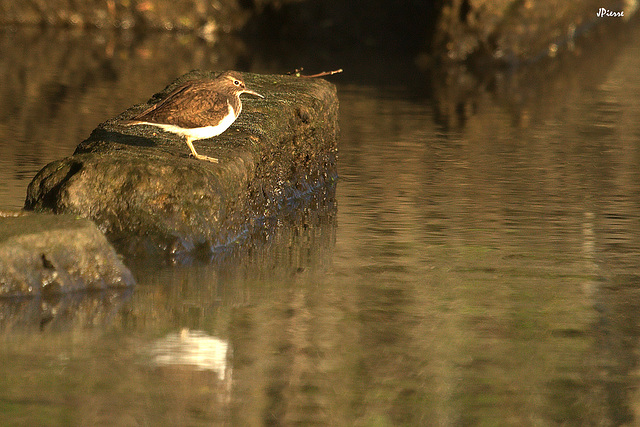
<point>55,254</point>
<point>142,189</point>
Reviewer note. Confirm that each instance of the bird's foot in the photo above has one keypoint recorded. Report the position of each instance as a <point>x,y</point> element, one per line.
<point>207,158</point>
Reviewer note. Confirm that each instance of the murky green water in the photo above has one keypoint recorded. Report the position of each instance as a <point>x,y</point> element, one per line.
<point>478,265</point>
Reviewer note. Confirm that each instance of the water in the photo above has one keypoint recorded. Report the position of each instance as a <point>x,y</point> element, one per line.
<point>477,266</point>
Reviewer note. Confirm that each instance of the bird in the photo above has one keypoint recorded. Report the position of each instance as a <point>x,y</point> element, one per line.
<point>198,109</point>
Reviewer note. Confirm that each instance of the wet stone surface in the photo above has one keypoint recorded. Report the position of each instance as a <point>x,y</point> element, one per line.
<point>46,255</point>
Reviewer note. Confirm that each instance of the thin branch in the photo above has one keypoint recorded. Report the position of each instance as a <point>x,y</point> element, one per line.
<point>298,71</point>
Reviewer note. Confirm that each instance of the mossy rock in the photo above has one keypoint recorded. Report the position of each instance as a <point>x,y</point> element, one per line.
<point>142,189</point>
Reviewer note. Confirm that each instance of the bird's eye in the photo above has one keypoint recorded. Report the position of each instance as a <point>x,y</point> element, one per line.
<point>236,82</point>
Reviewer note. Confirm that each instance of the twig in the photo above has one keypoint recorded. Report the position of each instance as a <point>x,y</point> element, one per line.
<point>298,71</point>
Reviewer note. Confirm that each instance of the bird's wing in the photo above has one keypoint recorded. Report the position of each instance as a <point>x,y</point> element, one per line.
<point>192,104</point>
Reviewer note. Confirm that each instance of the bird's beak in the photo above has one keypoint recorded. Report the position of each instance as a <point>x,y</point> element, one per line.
<point>250,92</point>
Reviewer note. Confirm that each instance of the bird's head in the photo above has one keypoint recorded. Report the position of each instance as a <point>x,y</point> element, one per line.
<point>237,84</point>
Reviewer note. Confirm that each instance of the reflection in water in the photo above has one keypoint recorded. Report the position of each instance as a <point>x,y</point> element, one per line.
<point>192,348</point>
<point>477,264</point>
<point>62,312</point>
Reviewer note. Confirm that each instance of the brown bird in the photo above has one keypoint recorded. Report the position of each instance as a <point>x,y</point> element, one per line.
<point>198,109</point>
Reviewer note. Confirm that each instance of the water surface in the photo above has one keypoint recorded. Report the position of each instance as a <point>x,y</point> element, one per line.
<point>476,264</point>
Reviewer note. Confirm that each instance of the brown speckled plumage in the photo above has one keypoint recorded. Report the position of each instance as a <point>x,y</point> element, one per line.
<point>198,109</point>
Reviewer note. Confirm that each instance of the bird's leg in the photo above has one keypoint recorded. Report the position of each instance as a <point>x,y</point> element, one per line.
<point>199,156</point>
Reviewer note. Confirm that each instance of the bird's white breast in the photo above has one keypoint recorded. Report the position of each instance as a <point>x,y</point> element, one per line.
<point>201,132</point>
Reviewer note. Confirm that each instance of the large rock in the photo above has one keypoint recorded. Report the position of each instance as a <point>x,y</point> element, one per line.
<point>143,190</point>
<point>517,32</point>
<point>55,254</point>
<point>205,17</point>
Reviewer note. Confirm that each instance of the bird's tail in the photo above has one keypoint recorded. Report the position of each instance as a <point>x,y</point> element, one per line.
<point>132,122</point>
